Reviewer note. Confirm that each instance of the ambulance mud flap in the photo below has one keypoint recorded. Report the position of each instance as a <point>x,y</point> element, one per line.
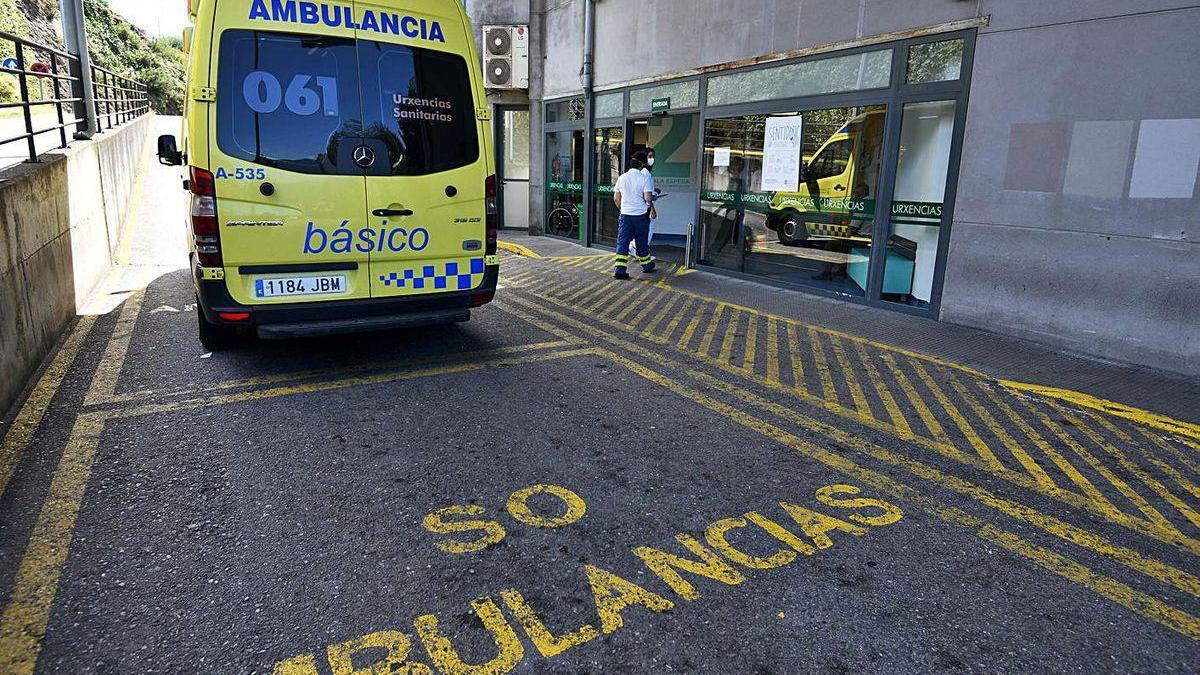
<point>302,329</point>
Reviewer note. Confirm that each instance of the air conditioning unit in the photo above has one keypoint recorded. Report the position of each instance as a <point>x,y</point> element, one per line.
<point>506,57</point>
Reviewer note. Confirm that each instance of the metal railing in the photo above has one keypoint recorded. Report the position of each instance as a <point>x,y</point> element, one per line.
<point>118,99</point>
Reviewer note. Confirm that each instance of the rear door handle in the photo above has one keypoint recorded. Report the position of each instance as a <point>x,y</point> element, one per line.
<point>391,213</point>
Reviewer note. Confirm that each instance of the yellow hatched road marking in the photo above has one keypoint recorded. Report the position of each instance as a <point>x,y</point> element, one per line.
<point>985,453</point>
<point>751,352</point>
<point>1055,456</point>
<point>856,391</point>
<point>696,311</point>
<point>827,387</point>
<point>649,304</point>
<point>772,350</point>
<point>669,309</point>
<point>34,408</point>
<point>1149,481</point>
<point>1186,430</point>
<point>885,395</point>
<point>1156,518</point>
<point>792,333</point>
<point>930,420</point>
<point>707,340</point>
<point>726,352</point>
<point>1020,479</point>
<point>1139,602</point>
<point>1035,470</point>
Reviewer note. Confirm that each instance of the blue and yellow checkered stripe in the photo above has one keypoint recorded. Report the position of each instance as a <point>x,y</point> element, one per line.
<point>441,276</point>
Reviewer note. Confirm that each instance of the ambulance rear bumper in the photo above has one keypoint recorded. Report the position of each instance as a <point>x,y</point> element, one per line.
<point>309,319</point>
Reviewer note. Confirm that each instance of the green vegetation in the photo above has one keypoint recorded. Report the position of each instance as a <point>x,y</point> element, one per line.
<point>118,46</point>
<point>115,44</point>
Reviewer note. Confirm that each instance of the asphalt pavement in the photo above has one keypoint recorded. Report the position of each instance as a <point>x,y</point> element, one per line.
<point>590,476</point>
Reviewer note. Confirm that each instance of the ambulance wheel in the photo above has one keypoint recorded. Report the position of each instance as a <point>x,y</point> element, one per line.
<point>791,231</point>
<point>215,337</point>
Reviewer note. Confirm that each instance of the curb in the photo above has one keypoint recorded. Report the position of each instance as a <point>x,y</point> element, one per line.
<point>517,249</point>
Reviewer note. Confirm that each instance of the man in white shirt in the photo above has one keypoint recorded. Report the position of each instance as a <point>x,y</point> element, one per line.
<point>635,198</point>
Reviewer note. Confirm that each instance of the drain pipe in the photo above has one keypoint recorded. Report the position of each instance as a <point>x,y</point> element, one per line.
<point>589,100</point>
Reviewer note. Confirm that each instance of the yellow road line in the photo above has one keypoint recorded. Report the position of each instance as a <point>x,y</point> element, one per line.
<point>1064,465</point>
<point>792,334</point>
<point>725,354</point>
<point>1022,480</point>
<point>1153,515</point>
<point>33,410</point>
<point>985,453</point>
<point>518,249</point>
<point>650,303</point>
<point>1134,600</point>
<point>1035,470</point>
<point>27,612</point>
<point>885,395</point>
<point>749,357</point>
<point>772,350</point>
<point>660,315</point>
<point>856,391</point>
<point>104,384</point>
<point>334,372</point>
<point>696,311</point>
<point>707,340</point>
<point>827,387</point>
<point>1145,417</point>
<point>346,383</point>
<point>1149,481</point>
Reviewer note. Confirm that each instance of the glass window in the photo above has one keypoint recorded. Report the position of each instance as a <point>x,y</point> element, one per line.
<point>564,184</point>
<point>516,144</point>
<point>926,135</point>
<point>419,107</point>
<point>869,70</point>
<point>935,62</point>
<point>610,148</point>
<point>566,111</point>
<point>610,105</point>
<point>289,101</point>
<point>800,208</point>
<point>682,95</point>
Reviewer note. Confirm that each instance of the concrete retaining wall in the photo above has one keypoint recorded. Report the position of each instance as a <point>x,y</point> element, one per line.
<point>61,223</point>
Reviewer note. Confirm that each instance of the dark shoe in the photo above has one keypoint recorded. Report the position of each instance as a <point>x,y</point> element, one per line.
<point>649,270</point>
<point>623,276</point>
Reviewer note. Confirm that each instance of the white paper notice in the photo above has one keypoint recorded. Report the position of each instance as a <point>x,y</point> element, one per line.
<point>721,157</point>
<point>781,154</point>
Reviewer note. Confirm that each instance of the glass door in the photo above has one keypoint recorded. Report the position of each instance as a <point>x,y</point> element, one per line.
<point>674,139</point>
<point>564,187</point>
<point>610,158</point>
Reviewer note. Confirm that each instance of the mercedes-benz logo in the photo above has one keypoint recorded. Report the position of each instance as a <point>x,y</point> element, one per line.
<point>364,156</point>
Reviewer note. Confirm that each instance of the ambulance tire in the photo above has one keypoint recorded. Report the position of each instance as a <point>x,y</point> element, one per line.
<point>215,337</point>
<point>791,230</point>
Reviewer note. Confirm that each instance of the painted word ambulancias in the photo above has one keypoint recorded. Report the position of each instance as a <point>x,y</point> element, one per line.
<point>312,13</point>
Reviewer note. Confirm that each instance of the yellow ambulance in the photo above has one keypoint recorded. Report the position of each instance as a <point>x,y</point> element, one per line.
<point>339,161</point>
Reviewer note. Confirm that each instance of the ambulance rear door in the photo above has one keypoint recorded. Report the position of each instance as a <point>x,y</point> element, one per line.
<point>288,122</point>
<point>426,193</point>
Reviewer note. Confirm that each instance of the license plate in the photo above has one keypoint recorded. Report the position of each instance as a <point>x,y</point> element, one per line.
<point>293,286</point>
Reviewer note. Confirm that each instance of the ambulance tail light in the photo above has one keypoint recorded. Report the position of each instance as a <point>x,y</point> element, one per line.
<point>205,230</point>
<point>493,216</point>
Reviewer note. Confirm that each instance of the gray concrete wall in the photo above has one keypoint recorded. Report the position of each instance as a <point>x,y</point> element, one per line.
<point>1071,226</point>
<point>60,226</point>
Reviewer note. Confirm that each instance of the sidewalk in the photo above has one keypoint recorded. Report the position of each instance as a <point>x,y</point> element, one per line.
<point>1001,357</point>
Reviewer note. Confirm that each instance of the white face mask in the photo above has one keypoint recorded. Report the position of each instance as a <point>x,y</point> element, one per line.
<point>650,162</point>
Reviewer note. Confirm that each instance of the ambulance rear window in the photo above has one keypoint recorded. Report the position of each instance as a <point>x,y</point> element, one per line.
<point>293,102</point>
<point>419,102</point>
<point>289,101</point>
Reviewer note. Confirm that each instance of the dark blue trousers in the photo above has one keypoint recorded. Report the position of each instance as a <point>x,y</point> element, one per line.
<point>634,229</point>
